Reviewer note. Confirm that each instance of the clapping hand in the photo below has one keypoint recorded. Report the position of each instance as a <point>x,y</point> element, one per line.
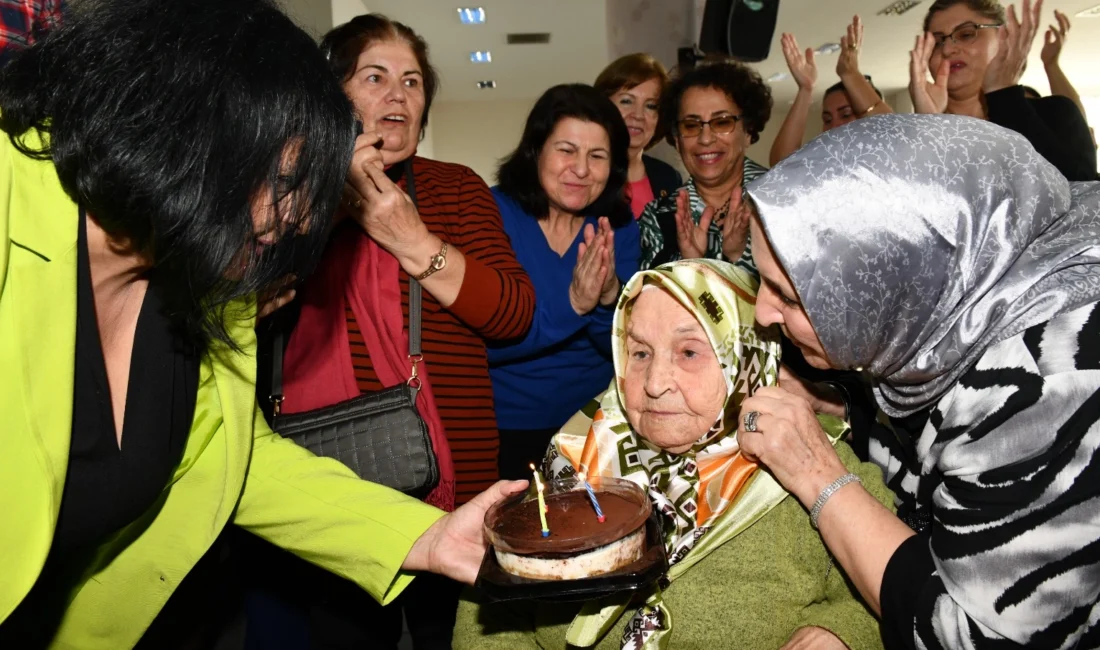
<point>735,227</point>
<point>1054,40</point>
<point>802,66</point>
<point>1008,65</point>
<point>847,63</point>
<point>691,237</point>
<point>611,285</point>
<point>594,264</point>
<point>927,97</point>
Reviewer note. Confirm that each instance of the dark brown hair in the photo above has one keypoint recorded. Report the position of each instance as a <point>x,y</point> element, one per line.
<point>632,70</point>
<point>990,9</point>
<point>740,83</point>
<point>343,45</point>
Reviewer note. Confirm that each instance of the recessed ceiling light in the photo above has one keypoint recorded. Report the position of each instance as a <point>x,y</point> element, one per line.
<point>1092,12</point>
<point>898,8</point>
<point>777,77</point>
<point>828,48</point>
<point>484,56</point>
<point>486,85</point>
<point>471,15</point>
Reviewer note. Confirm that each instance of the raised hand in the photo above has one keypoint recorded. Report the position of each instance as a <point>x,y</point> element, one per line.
<point>802,66</point>
<point>927,97</point>
<point>847,63</point>
<point>1055,39</point>
<point>379,206</point>
<point>1017,36</point>
<point>590,273</point>
<point>691,238</point>
<point>611,285</point>
<point>735,227</point>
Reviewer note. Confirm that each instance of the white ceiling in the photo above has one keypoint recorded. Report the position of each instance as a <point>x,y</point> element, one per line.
<point>577,50</point>
<point>580,41</point>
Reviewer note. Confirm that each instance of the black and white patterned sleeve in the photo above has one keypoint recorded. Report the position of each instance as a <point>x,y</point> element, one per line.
<point>1013,556</point>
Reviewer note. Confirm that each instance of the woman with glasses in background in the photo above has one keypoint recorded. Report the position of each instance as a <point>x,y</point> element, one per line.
<point>718,109</point>
<point>976,55</point>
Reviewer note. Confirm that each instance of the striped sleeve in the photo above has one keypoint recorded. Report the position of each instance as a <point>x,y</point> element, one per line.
<point>497,299</point>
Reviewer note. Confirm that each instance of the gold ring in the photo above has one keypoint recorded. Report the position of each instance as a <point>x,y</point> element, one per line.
<point>853,47</point>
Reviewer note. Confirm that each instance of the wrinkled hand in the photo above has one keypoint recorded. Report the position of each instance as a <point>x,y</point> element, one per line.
<point>927,97</point>
<point>590,273</point>
<point>802,66</point>
<point>378,205</point>
<point>611,285</point>
<point>1008,65</point>
<point>275,298</point>
<point>847,63</point>
<point>691,237</point>
<point>814,638</point>
<point>454,546</point>
<point>735,227</point>
<point>789,442</point>
<point>1055,39</point>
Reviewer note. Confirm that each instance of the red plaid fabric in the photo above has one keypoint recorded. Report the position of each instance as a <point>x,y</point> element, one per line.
<point>20,18</point>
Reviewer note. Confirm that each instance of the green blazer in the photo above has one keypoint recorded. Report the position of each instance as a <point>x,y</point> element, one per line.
<point>234,469</point>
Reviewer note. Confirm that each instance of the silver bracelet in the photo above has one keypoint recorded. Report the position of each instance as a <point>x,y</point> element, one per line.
<point>829,491</point>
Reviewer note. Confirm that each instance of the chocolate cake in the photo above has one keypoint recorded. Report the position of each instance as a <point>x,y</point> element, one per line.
<point>579,545</point>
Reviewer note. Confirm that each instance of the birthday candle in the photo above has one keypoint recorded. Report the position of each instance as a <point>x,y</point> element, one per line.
<point>542,501</point>
<point>592,497</point>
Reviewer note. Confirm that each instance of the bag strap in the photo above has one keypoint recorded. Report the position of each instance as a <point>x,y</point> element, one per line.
<point>415,324</point>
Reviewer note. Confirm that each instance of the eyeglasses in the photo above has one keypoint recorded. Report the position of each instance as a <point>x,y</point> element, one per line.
<point>692,127</point>
<point>963,34</point>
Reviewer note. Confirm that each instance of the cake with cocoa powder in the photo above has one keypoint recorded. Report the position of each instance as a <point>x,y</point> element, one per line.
<point>579,545</point>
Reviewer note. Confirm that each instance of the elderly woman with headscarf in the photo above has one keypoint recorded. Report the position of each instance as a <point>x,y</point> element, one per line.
<point>686,355</point>
<point>961,271</point>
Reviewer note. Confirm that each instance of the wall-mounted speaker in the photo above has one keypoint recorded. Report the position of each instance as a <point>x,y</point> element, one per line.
<point>741,29</point>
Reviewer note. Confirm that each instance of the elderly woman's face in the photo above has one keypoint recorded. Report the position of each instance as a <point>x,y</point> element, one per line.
<point>777,302</point>
<point>712,159</point>
<point>640,107</point>
<point>969,52</point>
<point>574,164</point>
<point>387,89</point>
<point>673,388</point>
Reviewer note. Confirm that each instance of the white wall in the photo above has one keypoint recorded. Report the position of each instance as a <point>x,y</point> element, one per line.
<point>312,16</point>
<point>477,134</point>
<point>345,10</point>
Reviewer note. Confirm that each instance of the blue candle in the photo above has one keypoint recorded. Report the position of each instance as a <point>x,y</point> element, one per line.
<point>592,497</point>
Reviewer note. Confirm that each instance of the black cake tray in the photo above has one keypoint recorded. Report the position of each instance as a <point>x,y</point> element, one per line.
<point>500,585</point>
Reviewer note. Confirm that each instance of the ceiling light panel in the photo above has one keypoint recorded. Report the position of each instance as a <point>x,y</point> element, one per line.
<point>486,85</point>
<point>1092,12</point>
<point>777,77</point>
<point>483,56</point>
<point>898,8</point>
<point>471,15</point>
<point>828,48</point>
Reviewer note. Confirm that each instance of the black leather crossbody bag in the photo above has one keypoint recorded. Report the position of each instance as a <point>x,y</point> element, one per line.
<point>379,435</point>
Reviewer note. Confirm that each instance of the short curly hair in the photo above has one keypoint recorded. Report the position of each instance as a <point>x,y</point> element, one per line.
<point>990,9</point>
<point>740,83</point>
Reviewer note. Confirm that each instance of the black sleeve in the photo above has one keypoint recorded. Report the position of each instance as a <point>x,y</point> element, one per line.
<point>908,571</point>
<point>1053,125</point>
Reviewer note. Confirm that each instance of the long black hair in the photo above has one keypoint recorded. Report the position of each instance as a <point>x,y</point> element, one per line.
<point>518,174</point>
<point>167,121</point>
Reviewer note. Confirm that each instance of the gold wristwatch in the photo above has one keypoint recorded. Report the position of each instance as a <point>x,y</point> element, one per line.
<point>437,263</point>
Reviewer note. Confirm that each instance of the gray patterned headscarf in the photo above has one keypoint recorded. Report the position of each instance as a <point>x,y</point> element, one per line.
<point>915,242</point>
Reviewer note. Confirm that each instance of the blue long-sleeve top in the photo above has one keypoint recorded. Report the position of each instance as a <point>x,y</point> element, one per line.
<point>541,380</point>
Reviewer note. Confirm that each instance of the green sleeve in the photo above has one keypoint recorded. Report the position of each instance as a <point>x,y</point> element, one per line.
<point>321,511</point>
<point>482,625</point>
<point>842,610</point>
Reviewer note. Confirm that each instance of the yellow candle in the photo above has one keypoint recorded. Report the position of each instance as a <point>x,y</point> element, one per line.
<point>542,501</point>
